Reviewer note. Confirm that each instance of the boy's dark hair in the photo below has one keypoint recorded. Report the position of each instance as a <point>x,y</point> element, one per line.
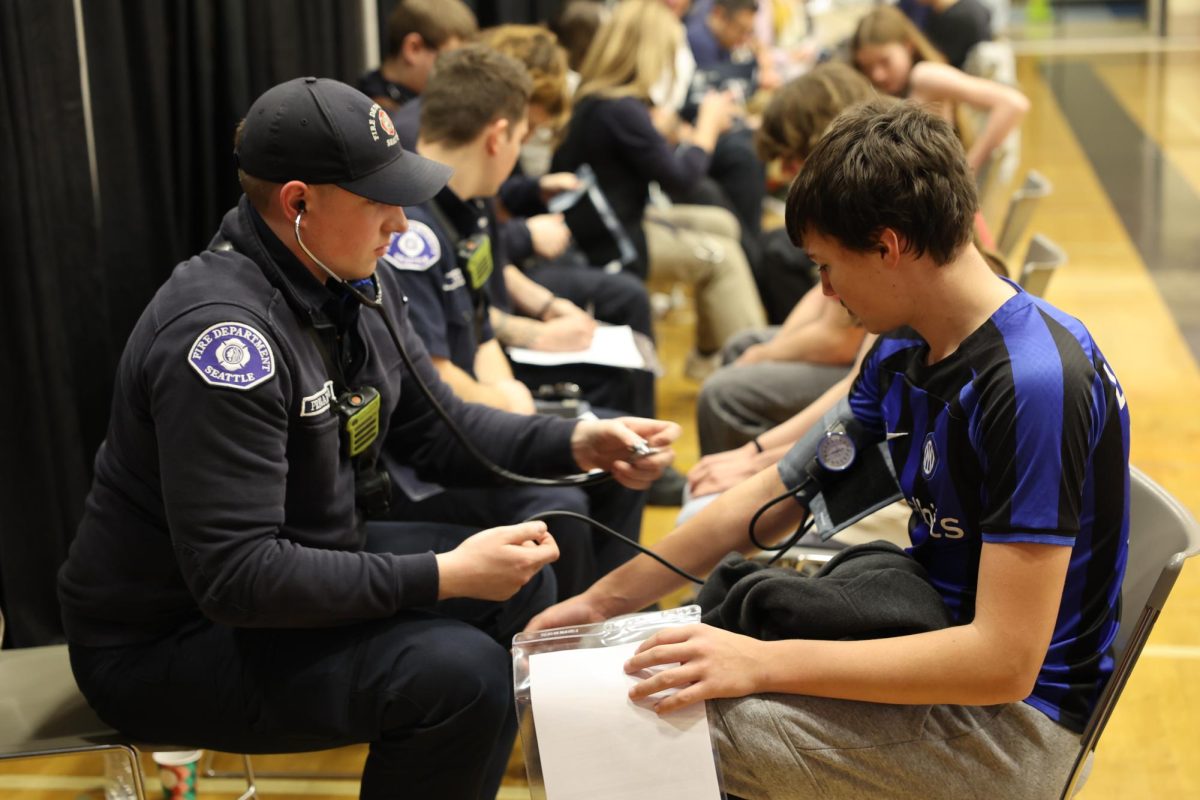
<point>434,21</point>
<point>734,6</point>
<point>886,165</point>
<point>469,88</point>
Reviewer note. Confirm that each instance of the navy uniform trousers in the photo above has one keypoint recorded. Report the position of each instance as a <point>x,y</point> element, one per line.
<point>429,689</point>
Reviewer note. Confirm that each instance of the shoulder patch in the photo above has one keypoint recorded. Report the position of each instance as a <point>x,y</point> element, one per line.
<point>417,249</point>
<point>232,355</point>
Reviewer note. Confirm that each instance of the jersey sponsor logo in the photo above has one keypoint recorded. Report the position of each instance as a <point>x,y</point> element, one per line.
<point>377,120</point>
<point>948,528</point>
<point>232,355</point>
<point>417,249</point>
<point>454,280</point>
<point>1116,386</point>
<point>929,457</point>
<point>317,403</point>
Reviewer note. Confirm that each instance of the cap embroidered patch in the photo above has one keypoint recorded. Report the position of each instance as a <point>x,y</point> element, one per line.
<point>232,355</point>
<point>416,249</point>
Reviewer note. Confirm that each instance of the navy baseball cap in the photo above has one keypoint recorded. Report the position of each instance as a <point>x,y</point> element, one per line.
<point>319,130</point>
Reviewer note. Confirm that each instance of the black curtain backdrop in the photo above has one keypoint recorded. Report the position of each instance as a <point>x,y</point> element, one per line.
<point>52,336</point>
<point>169,79</point>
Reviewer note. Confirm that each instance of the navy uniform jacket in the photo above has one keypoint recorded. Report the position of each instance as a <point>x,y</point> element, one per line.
<point>220,490</point>
<point>449,317</point>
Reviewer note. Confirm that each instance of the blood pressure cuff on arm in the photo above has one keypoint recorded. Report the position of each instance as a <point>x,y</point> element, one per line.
<point>839,498</point>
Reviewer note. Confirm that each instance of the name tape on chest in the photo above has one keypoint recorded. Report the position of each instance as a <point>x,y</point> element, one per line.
<point>232,355</point>
<point>417,249</point>
<point>317,403</point>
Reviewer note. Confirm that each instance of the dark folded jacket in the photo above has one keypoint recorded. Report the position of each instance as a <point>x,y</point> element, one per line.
<point>869,591</point>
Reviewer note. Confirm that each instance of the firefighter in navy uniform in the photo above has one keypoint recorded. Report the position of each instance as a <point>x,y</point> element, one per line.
<point>224,588</point>
<point>448,261</point>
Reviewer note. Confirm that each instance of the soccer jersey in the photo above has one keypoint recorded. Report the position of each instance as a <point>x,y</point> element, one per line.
<point>1021,435</point>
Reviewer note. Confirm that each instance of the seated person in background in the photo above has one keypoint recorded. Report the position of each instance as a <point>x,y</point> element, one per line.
<point>228,586</point>
<point>473,119</point>
<point>722,56</point>
<point>718,28</point>
<point>772,373</point>
<point>547,279</point>
<point>954,27</point>
<point>1010,437</point>
<point>417,31</point>
<point>901,62</point>
<point>793,121</point>
<point>612,129</point>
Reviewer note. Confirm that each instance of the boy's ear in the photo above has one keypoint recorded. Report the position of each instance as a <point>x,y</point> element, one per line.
<point>496,133</point>
<point>890,246</point>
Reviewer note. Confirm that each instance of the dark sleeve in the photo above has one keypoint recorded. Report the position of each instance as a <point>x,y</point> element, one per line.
<point>422,276</point>
<point>428,314</point>
<point>538,445</point>
<point>522,196</point>
<point>637,141</point>
<point>222,454</point>
<point>1031,430</point>
<point>517,242</point>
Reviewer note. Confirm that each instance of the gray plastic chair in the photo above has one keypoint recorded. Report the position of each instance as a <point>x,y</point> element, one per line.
<point>1041,260</point>
<point>1162,535</point>
<point>1024,202</point>
<point>43,713</point>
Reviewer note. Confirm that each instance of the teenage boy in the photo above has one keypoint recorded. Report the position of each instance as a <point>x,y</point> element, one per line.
<point>1010,437</point>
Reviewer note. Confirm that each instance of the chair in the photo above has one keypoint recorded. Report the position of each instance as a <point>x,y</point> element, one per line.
<point>1020,211</point>
<point>1162,535</point>
<point>43,713</point>
<point>1041,259</point>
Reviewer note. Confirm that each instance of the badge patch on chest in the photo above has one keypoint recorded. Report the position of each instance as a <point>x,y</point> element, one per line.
<point>929,457</point>
<point>416,249</point>
<point>232,355</point>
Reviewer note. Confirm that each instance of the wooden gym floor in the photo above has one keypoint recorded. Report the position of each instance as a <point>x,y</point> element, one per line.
<point>1119,137</point>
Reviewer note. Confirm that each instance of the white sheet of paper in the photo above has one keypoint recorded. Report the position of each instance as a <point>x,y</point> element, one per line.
<point>594,742</point>
<point>612,346</point>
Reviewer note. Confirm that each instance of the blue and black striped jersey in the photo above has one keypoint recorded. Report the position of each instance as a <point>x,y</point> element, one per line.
<point>1021,435</point>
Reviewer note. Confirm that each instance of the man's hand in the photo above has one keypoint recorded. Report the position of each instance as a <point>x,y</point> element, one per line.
<point>712,663</point>
<point>494,563</point>
<point>609,444</point>
<point>516,396</point>
<point>549,234</point>
<point>720,471</point>
<point>554,183</point>
<point>578,610</point>
<point>565,333</point>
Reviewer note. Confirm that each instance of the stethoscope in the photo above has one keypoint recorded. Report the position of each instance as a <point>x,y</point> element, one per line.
<point>579,480</point>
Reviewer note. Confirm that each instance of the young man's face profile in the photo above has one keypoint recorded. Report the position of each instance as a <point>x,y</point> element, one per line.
<point>859,280</point>
<point>349,232</point>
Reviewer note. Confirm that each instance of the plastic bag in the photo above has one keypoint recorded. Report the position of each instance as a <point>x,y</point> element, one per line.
<point>619,631</point>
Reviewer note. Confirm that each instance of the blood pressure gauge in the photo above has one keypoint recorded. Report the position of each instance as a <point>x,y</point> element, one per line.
<point>836,451</point>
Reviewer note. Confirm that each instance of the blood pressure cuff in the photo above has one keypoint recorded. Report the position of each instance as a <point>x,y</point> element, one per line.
<point>838,499</point>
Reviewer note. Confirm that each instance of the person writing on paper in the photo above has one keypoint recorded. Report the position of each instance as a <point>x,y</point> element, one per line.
<point>473,119</point>
<point>1010,437</point>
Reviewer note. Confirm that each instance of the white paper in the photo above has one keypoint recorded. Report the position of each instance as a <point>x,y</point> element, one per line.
<point>612,346</point>
<point>594,742</point>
